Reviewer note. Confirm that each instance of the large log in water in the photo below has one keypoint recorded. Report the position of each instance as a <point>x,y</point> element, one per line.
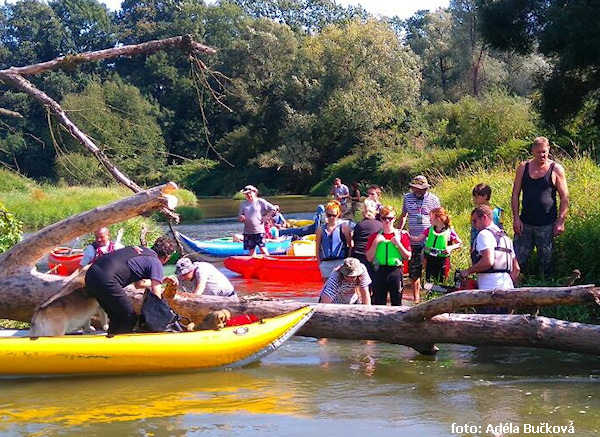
<point>424,325</point>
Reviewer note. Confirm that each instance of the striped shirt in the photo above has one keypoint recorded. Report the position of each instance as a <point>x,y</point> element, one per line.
<point>418,212</point>
<point>342,291</point>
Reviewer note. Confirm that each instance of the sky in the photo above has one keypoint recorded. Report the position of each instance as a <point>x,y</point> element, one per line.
<point>402,8</point>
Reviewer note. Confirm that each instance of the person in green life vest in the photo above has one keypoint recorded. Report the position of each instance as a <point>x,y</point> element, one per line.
<point>386,250</point>
<point>440,240</point>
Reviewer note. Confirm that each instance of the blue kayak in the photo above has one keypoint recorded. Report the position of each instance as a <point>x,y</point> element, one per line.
<point>224,247</point>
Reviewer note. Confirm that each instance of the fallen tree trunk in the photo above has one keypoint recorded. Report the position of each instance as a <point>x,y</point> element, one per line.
<point>23,288</point>
<point>424,325</point>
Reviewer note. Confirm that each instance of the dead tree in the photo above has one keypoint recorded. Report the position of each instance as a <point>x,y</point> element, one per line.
<point>15,76</point>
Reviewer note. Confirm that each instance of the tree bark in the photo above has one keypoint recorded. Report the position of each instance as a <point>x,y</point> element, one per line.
<point>424,325</point>
<point>23,288</point>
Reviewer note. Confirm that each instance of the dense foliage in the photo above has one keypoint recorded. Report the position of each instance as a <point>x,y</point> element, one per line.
<point>308,90</point>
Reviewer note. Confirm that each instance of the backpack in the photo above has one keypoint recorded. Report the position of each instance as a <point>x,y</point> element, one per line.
<point>157,316</point>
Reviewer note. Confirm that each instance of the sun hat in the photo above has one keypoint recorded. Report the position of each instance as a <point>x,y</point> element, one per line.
<point>249,188</point>
<point>351,267</point>
<point>183,266</point>
<point>420,182</point>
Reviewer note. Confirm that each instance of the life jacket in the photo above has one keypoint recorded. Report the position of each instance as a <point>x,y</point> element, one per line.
<point>98,252</point>
<point>333,246</point>
<point>437,243</point>
<point>503,254</point>
<point>387,254</point>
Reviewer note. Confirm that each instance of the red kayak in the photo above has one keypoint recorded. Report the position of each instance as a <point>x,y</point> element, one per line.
<point>276,268</point>
<point>64,260</point>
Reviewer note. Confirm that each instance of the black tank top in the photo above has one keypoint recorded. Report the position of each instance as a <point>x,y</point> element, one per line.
<point>539,199</point>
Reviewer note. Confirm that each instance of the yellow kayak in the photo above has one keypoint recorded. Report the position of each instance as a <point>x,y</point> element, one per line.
<point>299,223</point>
<point>148,352</point>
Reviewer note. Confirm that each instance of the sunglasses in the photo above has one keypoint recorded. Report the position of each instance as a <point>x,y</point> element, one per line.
<point>331,215</point>
<point>388,218</point>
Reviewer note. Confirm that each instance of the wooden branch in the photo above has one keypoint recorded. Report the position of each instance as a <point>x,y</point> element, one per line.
<point>10,113</point>
<point>26,86</point>
<point>25,254</point>
<point>14,76</point>
<point>519,297</point>
<point>184,43</point>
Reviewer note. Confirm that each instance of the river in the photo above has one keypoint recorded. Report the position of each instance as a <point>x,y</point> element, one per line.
<point>322,388</point>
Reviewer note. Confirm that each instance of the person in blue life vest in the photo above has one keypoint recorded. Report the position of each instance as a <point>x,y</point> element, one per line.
<point>416,206</point>
<point>440,240</point>
<point>102,245</point>
<point>540,219</point>
<point>333,240</point>
<point>387,251</point>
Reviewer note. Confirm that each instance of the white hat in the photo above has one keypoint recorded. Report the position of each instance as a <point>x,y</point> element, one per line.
<point>351,267</point>
<point>183,266</point>
<point>249,188</point>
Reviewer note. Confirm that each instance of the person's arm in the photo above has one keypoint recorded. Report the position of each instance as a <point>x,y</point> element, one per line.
<point>418,239</point>
<point>156,287</point>
<point>485,263</point>
<point>365,296</point>
<point>371,247</point>
<point>563,193</point>
<point>318,237</point>
<point>516,271</point>
<point>88,256</point>
<point>456,242</point>
<point>348,236</point>
<point>241,216</point>
<point>397,241</point>
<point>201,285</point>
<point>404,215</point>
<point>514,200</point>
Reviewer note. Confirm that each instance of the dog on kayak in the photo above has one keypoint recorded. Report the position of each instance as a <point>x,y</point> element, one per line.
<point>66,313</point>
<point>215,319</point>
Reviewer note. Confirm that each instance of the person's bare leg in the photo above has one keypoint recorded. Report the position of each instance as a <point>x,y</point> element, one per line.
<point>416,288</point>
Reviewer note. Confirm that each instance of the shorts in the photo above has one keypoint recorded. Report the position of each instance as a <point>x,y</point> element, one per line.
<point>415,265</point>
<point>251,241</point>
<point>326,267</point>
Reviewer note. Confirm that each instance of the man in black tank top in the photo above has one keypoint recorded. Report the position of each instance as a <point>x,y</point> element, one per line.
<point>111,273</point>
<point>540,218</point>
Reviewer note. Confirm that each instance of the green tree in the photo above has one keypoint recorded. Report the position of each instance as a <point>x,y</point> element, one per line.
<point>11,229</point>
<point>124,125</point>
<point>308,16</point>
<point>566,32</point>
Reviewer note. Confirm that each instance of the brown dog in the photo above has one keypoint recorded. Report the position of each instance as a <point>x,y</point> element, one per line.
<point>215,319</point>
<point>65,313</point>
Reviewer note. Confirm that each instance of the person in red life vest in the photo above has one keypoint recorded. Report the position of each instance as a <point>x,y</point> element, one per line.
<point>386,252</point>
<point>101,246</point>
<point>440,239</point>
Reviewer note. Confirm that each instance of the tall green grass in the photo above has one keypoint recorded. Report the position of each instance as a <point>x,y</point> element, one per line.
<point>575,249</point>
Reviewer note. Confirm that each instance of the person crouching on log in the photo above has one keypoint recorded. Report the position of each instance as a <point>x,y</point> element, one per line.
<point>387,252</point>
<point>111,273</point>
<point>347,284</point>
